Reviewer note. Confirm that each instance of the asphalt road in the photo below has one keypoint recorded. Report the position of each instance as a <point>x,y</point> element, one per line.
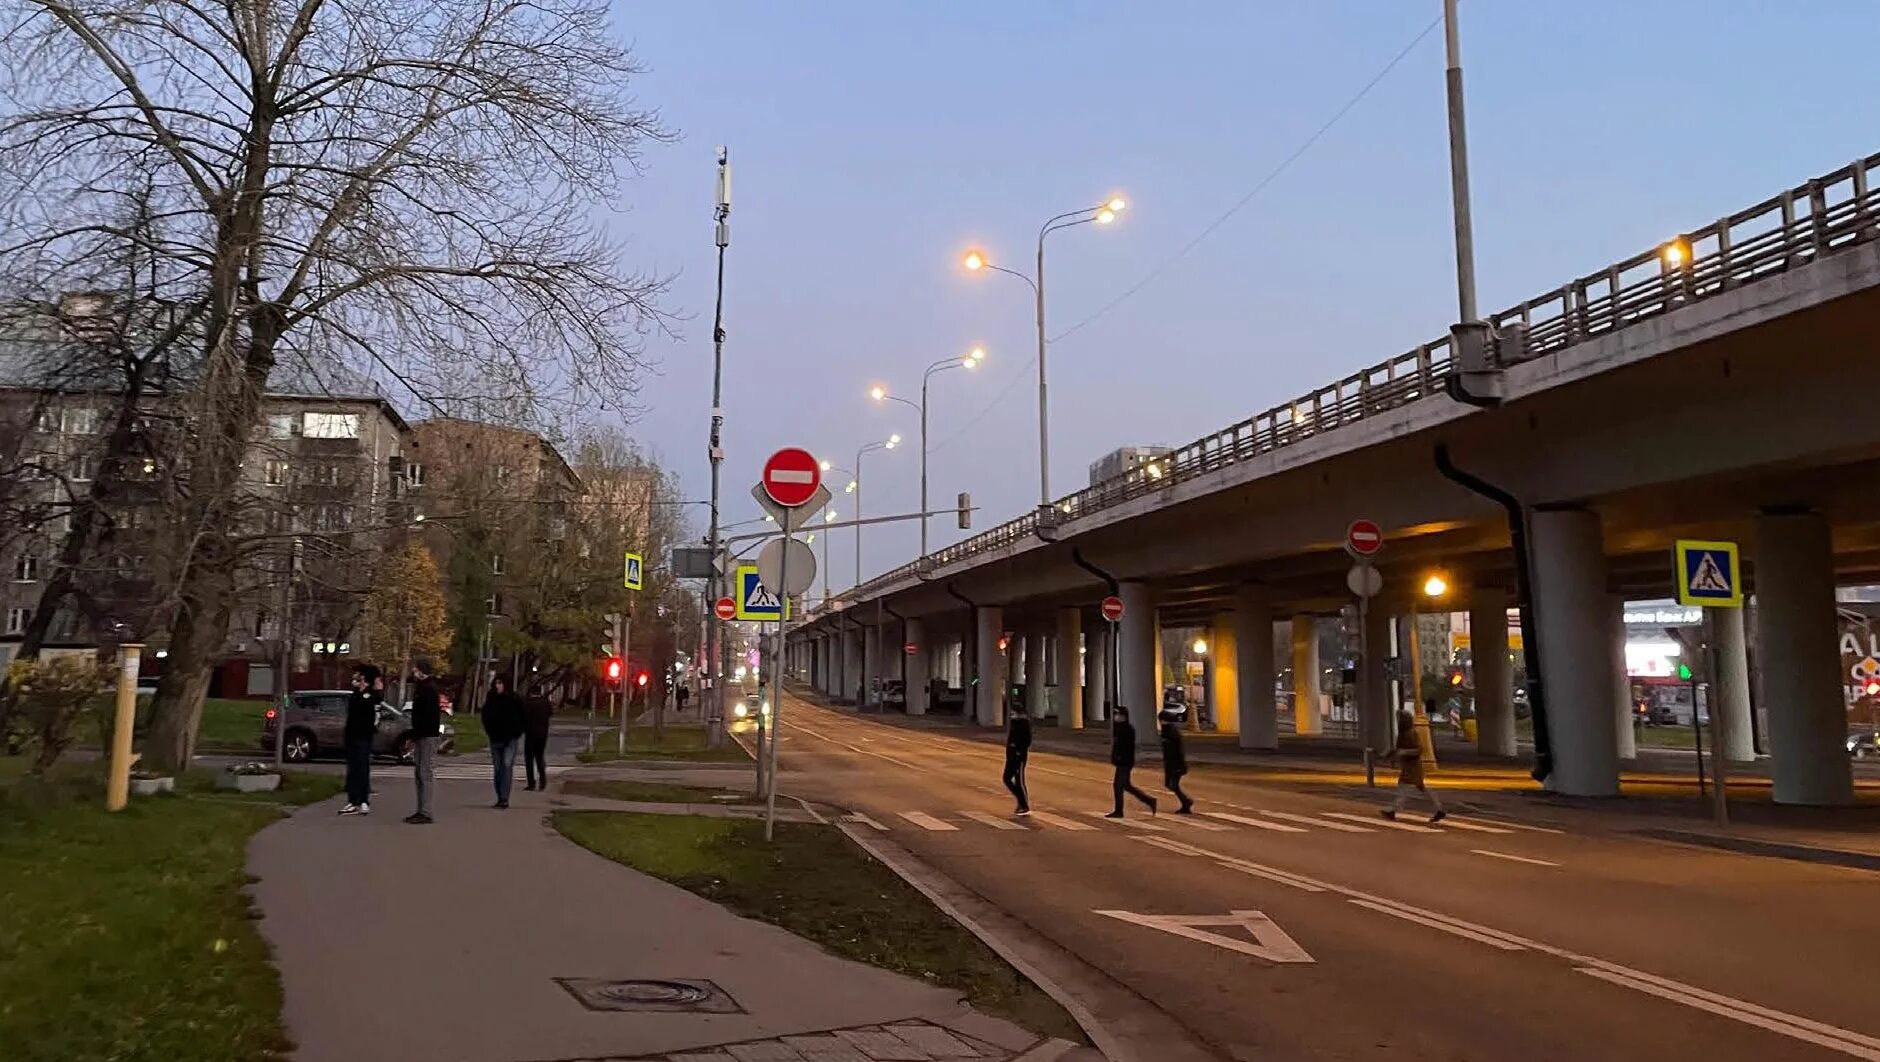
<point>1314,936</point>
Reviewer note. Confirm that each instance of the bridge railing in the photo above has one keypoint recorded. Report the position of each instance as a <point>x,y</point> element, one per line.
<point>1816,218</point>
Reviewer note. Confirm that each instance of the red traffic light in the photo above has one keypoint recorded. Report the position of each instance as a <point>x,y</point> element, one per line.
<point>640,679</point>
<point>1873,687</point>
<point>1455,676</point>
<point>613,669</point>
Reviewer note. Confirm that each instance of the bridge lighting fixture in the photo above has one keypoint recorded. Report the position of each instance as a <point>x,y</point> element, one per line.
<point>1435,586</point>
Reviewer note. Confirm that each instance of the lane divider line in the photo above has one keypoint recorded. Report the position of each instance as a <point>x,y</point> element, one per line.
<point>1792,1030</point>
<point>1513,858</point>
<point>1480,938</point>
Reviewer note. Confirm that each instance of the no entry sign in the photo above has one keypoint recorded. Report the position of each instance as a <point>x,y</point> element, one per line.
<point>1363,538</point>
<point>726,609</point>
<point>910,648</point>
<point>1113,608</point>
<point>791,477</point>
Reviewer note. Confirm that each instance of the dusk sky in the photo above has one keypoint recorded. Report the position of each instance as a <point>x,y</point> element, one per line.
<point>872,143</point>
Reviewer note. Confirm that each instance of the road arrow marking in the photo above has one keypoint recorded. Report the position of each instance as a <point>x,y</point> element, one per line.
<point>1269,942</point>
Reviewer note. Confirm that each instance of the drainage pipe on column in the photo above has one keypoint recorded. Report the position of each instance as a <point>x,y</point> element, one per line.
<point>1523,598</point>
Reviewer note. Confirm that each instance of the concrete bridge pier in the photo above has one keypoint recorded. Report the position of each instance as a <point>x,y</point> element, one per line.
<point>1224,674</point>
<point>1139,655</point>
<point>919,667</point>
<point>988,666</point>
<point>1488,648</point>
<point>1255,666</point>
<point>1801,668</point>
<point>1305,661</point>
<point>1097,672</point>
<point>1573,619</point>
<point>1069,659</point>
<point>1376,713</point>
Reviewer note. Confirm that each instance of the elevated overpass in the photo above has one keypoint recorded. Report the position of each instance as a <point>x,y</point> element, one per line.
<point>1716,386</point>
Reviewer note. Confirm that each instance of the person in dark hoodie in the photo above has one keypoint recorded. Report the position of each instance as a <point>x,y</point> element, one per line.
<point>503,722</point>
<point>362,723</point>
<point>1174,756</point>
<point>536,712</point>
<point>1017,750</point>
<point>427,719</point>
<point>1123,758</point>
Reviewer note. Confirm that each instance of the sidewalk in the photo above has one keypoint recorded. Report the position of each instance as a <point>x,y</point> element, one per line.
<point>487,937</point>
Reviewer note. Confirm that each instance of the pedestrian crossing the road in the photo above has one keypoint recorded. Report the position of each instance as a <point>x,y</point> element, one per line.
<point>1243,819</point>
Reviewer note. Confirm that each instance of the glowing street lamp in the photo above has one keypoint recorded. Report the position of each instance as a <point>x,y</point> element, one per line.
<point>976,260</point>
<point>1435,585</point>
<point>970,360</point>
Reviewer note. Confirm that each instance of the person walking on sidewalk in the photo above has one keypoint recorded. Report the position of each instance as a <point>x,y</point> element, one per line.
<point>1174,756</point>
<point>362,722</point>
<point>1410,770</point>
<point>536,713</point>
<point>426,723</point>
<point>502,721</point>
<point>1123,758</point>
<point>1017,750</point>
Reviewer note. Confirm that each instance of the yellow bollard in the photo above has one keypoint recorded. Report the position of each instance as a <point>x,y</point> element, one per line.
<point>118,790</point>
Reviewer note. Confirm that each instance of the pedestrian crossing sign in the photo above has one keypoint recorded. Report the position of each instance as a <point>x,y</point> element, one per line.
<point>1708,574</point>
<point>753,601</point>
<point>635,574</point>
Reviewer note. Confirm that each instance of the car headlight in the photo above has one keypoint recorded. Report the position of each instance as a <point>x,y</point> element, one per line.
<point>740,711</point>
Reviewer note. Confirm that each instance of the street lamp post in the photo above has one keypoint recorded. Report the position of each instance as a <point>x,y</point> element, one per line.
<point>1101,214</point>
<point>880,394</point>
<point>868,448</point>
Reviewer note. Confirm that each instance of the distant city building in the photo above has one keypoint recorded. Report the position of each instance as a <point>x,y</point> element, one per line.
<point>1123,460</point>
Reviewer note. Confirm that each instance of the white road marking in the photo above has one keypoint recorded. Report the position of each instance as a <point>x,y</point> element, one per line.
<point>1842,1040</point>
<point>1248,820</point>
<point>1510,823</point>
<point>993,821</point>
<point>856,816</point>
<point>1512,858</point>
<point>1312,821</point>
<point>1463,824</point>
<point>1060,822</point>
<point>1301,883</point>
<point>1389,824</point>
<point>1131,823</point>
<point>1407,916</point>
<point>1196,824</point>
<point>927,822</point>
<point>1269,942</point>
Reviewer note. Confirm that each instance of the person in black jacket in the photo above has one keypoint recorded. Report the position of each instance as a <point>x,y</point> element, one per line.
<point>1174,757</point>
<point>362,723</point>
<point>427,718</point>
<point>1123,758</point>
<point>536,712</point>
<point>502,721</point>
<point>1017,749</point>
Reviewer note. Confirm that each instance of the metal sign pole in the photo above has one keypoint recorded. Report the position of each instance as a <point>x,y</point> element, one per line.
<point>776,677</point>
<point>1719,723</point>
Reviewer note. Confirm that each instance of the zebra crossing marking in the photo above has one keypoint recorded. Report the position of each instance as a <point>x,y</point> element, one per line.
<point>928,822</point>
<point>1060,822</point>
<point>857,816</point>
<point>1196,824</point>
<point>1389,824</point>
<point>1133,824</point>
<point>1321,823</point>
<point>1248,820</point>
<point>992,820</point>
<point>1463,824</point>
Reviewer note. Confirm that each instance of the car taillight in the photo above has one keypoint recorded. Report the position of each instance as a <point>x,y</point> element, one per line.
<point>270,713</point>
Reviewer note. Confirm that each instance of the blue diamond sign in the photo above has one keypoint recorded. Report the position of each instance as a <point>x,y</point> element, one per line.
<point>1708,574</point>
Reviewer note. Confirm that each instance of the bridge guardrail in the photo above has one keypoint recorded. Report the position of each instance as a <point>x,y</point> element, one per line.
<point>1816,218</point>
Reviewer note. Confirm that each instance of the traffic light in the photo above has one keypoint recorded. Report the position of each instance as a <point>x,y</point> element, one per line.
<point>1455,676</point>
<point>1684,672</point>
<point>965,501</point>
<point>1872,687</point>
<point>612,670</point>
<point>640,680</point>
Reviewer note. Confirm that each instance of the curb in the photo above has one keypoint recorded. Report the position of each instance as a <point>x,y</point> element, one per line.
<point>1170,1044</point>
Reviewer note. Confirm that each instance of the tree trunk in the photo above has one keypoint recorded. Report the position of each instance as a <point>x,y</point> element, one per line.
<point>196,638</point>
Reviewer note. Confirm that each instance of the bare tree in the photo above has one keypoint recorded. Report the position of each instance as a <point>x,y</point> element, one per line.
<point>406,184</point>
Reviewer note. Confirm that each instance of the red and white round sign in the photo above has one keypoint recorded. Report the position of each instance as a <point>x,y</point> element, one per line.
<point>910,648</point>
<point>726,609</point>
<point>1113,608</point>
<point>1363,538</point>
<point>791,475</point>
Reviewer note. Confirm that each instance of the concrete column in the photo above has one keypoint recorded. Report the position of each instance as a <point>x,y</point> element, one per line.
<point>989,666</point>
<point>1097,672</point>
<point>1626,744</point>
<point>1254,667</point>
<point>851,670</point>
<point>1036,646</point>
<point>1376,713</point>
<point>1305,662</point>
<point>1730,655</point>
<point>1224,674</point>
<point>1494,690</point>
<point>1136,655</point>
<point>1573,620</point>
<point>1070,641</point>
<point>1801,667</point>
<point>919,668</point>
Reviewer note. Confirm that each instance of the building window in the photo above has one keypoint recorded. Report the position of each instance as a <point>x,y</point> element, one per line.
<point>501,474</point>
<point>325,474</point>
<point>414,475</point>
<point>494,605</point>
<point>46,421</point>
<point>282,425</point>
<point>17,618</point>
<point>496,564</point>
<point>83,467</point>
<point>26,569</point>
<point>79,421</point>
<point>277,473</point>
<point>330,425</point>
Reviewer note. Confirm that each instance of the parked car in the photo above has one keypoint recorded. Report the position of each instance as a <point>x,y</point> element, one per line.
<point>316,725</point>
<point>1863,744</point>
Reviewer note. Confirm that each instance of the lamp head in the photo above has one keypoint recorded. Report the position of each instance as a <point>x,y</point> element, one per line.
<point>877,393</point>
<point>974,261</point>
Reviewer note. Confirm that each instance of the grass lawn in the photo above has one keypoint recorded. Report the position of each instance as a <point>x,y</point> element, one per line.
<point>815,883</point>
<point>127,935</point>
<point>679,743</point>
<point>229,723</point>
<point>470,735</point>
<point>647,792</point>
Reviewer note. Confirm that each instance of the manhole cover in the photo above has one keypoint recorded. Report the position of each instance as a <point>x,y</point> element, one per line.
<point>676,994</point>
